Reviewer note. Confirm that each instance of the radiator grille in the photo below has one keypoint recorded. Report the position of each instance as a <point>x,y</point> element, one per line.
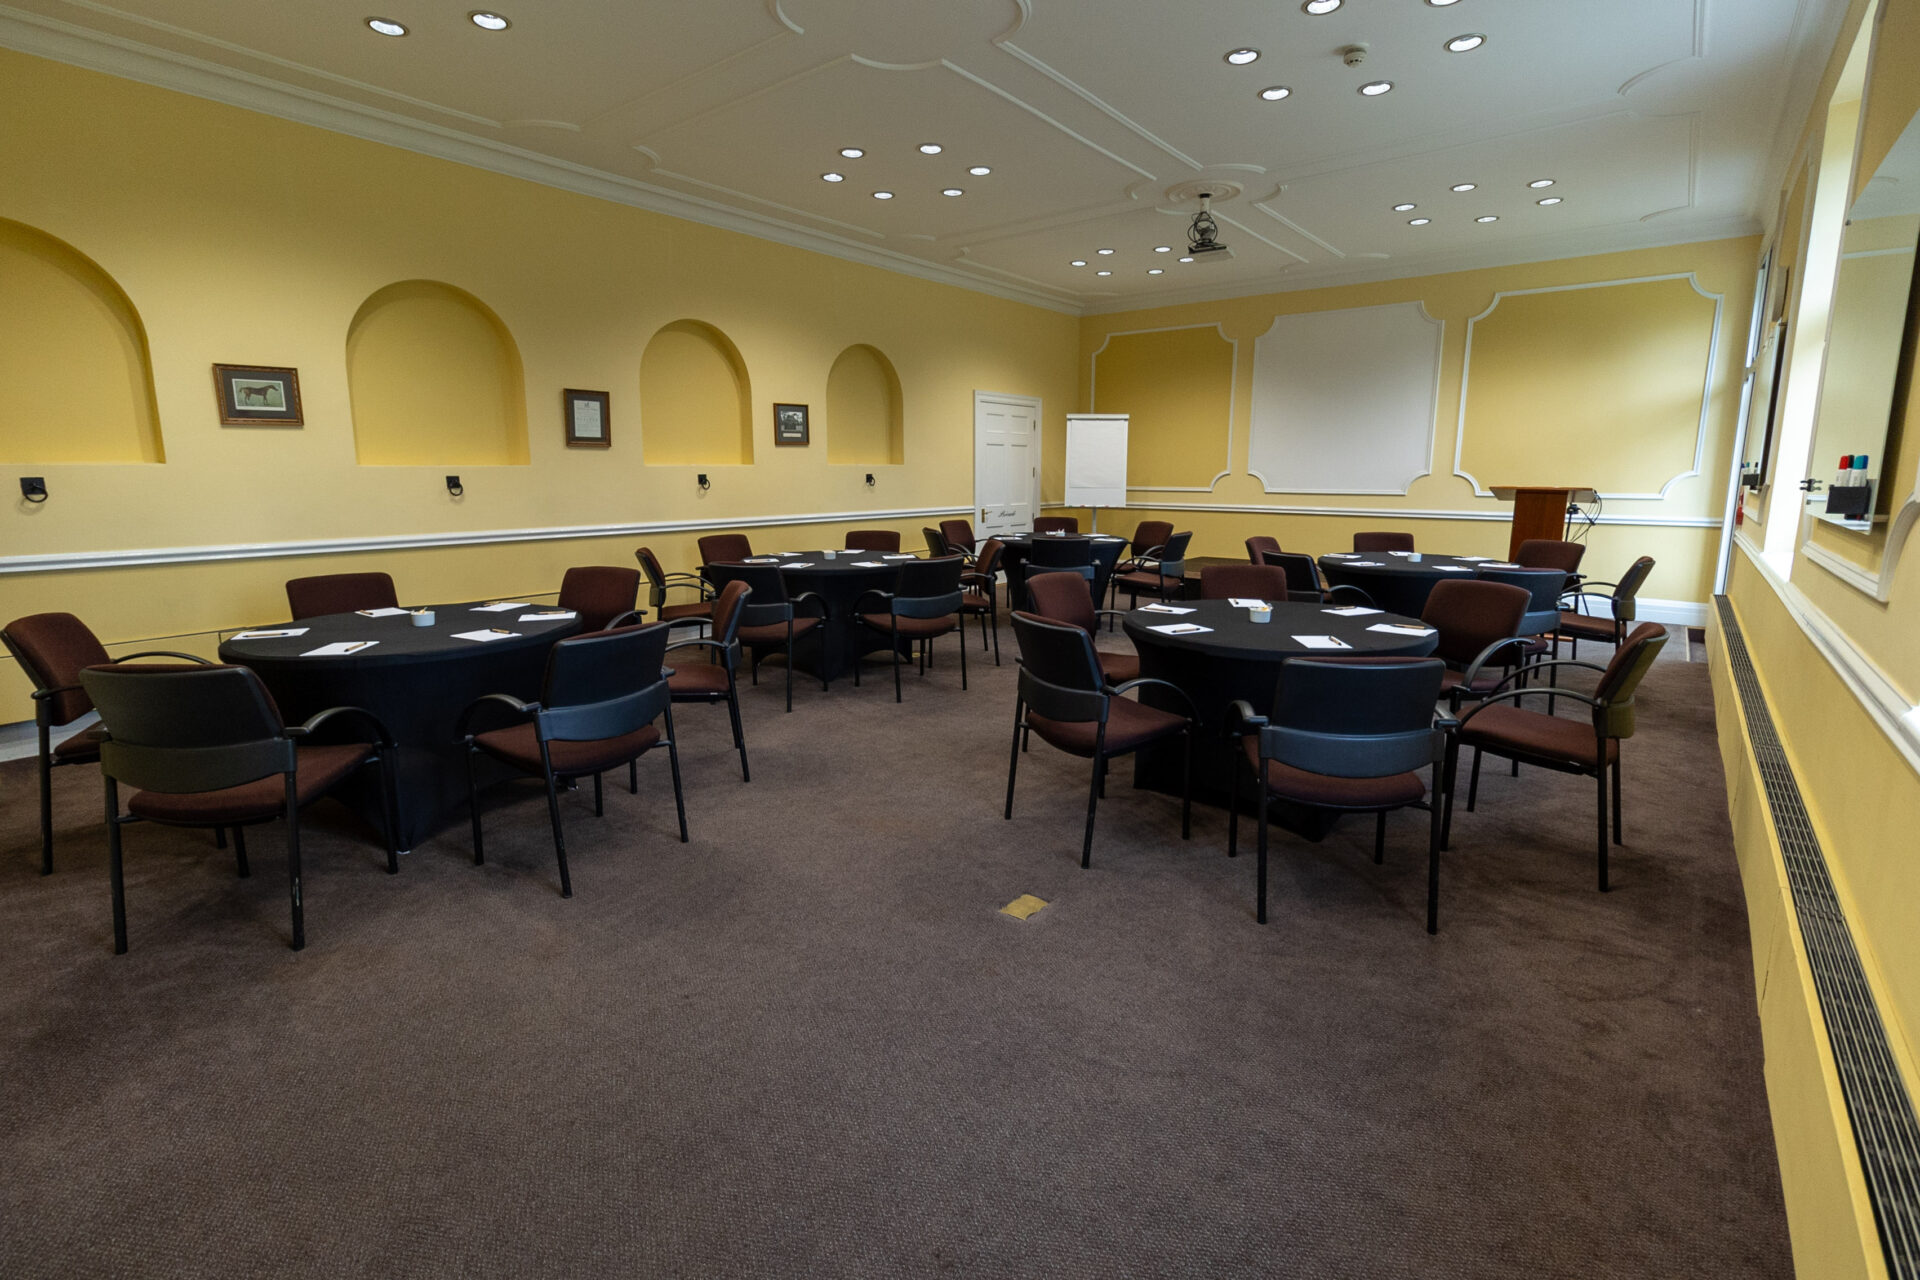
<point>1878,1105</point>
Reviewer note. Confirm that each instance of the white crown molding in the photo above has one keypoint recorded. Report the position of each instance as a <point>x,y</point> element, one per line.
<point>1233,398</point>
<point>1706,380</point>
<point>75,560</point>
<point>1401,513</point>
<point>50,38</point>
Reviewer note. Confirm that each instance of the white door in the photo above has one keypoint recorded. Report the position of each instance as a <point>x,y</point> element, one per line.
<point>1006,463</point>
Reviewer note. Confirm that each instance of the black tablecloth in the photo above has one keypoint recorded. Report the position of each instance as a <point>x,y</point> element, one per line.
<point>1019,548</point>
<point>1398,583</point>
<point>417,680</point>
<point>831,649</point>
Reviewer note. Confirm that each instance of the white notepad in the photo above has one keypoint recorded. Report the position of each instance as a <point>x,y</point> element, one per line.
<point>501,606</point>
<point>1238,603</point>
<point>339,648</point>
<point>871,564</point>
<point>1321,642</point>
<point>1400,553</point>
<point>761,560</point>
<point>278,634</point>
<point>900,555</point>
<point>1352,611</point>
<point>557,615</point>
<point>1473,557</point>
<point>1341,555</point>
<point>482,637</point>
<point>1180,629</point>
<point>798,564</point>
<point>381,613</point>
<point>1452,568</point>
<point>1367,564</point>
<point>1395,629</point>
<point>1163,608</point>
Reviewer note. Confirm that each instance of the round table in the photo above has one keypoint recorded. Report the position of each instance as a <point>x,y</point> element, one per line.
<point>1239,660</point>
<point>417,680</point>
<point>839,582</point>
<point>1399,583</point>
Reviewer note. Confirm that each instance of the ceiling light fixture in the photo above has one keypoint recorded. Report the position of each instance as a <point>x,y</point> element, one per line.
<point>852,153</point>
<point>488,21</point>
<point>1376,88</point>
<point>952,191</point>
<point>930,148</point>
<point>833,177</point>
<point>1186,259</point>
<point>1549,201</point>
<point>1163,248</point>
<point>1488,217</point>
<point>1466,43</point>
<point>883,195</point>
<point>1203,233</point>
<point>1274,93</point>
<point>1079,262</point>
<point>1318,7</point>
<point>1241,57</point>
<point>1441,4</point>
<point>1103,273</point>
<point>386,26</point>
<point>1403,208</point>
<point>1538,183</point>
<point>1418,222</point>
<point>1463,186</point>
<point>1104,252</point>
<point>979,171</point>
<point>1154,271</point>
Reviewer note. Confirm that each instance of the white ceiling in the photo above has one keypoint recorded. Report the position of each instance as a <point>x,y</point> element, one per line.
<point>1657,119</point>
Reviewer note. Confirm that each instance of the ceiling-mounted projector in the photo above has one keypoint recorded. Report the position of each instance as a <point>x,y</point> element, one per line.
<point>1203,234</point>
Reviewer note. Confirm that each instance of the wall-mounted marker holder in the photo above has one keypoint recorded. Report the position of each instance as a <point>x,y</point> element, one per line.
<point>33,488</point>
<point>454,486</point>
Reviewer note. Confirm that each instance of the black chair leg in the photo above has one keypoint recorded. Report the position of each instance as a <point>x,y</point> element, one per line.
<point>46,787</point>
<point>679,796</point>
<point>240,852</point>
<point>739,736</point>
<point>789,667</point>
<point>1186,785</point>
<point>1616,800</point>
<point>1013,764</point>
<point>1433,849</point>
<point>1260,859</point>
<point>390,807</point>
<point>993,616</point>
<point>599,799</point>
<point>473,812</point>
<point>1380,837</point>
<point>293,865</point>
<point>553,817</point>
<point>633,777</point>
<point>1233,812</point>
<point>894,637</point>
<point>963,662</point>
<point>1093,804</point>
<point>1600,778</point>
<point>219,837</point>
<point>114,877</point>
<point>1473,781</point>
<point>1453,765</point>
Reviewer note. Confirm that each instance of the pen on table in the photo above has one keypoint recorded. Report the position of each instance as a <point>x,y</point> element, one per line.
<point>500,631</point>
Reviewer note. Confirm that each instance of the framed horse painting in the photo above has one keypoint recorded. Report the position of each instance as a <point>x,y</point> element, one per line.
<point>257,396</point>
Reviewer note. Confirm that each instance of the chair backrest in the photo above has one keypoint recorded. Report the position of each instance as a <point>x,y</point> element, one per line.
<point>1149,535</point>
<point>1544,588</point>
<point>1355,717</point>
<point>936,542</point>
<point>728,608</point>
<point>1379,541</point>
<point>1631,661</point>
<point>724,548</point>
<point>605,684</point>
<point>928,588</point>
<point>959,535</point>
<point>1260,546</point>
<point>987,562</point>
<point>1549,553</point>
<point>1059,672</point>
<point>1245,581</point>
<point>1471,614</point>
<point>1173,559</point>
<point>873,540</point>
<point>769,603</point>
<point>1629,586</point>
<point>1056,524</point>
<point>1065,598</point>
<point>1066,553</point>
<point>656,576</point>
<point>599,593</point>
<point>327,593</point>
<point>1303,575</point>
<point>182,728</point>
<point>53,649</point>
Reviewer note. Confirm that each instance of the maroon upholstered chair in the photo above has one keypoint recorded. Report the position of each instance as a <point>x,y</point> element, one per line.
<point>1244,581</point>
<point>1149,536</point>
<point>771,619</point>
<point>206,747</point>
<point>1056,524</point>
<point>1479,626</point>
<point>1576,624</point>
<point>1260,546</point>
<point>1303,575</point>
<point>600,593</point>
<point>691,612</point>
<point>924,604</point>
<point>724,548</point>
<point>887,540</point>
<point>598,703</point>
<point>936,543</point>
<point>1163,576</point>
<point>326,593</point>
<point>1548,553</point>
<point>1064,698</point>
<point>1347,735</point>
<point>1500,726</point>
<point>53,649</point>
<point>959,536</point>
<point>1377,542</point>
<point>713,681</point>
<point>1067,598</point>
<point>980,596</point>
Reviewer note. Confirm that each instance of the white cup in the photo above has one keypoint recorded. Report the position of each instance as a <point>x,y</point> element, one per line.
<point>1264,613</point>
<point>832,554</point>
<point>423,617</point>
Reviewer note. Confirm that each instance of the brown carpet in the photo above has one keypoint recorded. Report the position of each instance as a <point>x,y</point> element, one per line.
<point>807,1043</point>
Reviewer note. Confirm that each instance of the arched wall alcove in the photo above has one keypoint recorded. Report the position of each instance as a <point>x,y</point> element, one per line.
<point>864,422</point>
<point>76,382</point>
<point>696,403</point>
<point>434,378</point>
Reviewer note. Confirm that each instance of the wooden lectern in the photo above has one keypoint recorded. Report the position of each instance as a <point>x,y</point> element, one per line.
<point>1539,513</point>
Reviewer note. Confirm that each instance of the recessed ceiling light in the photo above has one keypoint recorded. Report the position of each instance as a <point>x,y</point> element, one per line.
<point>386,26</point>
<point>1402,208</point>
<point>1104,252</point>
<point>1463,186</point>
<point>1418,222</point>
<point>1318,7</point>
<point>979,171</point>
<point>1375,89</point>
<point>488,21</point>
<point>1466,43</point>
<point>1154,271</point>
<point>1550,200</point>
<point>883,195</point>
<point>1186,259</point>
<point>1079,262</point>
<point>952,191</point>
<point>1488,217</point>
<point>852,153</point>
<point>1538,183</point>
<point>1103,273</point>
<point>929,148</point>
<point>833,177</point>
<point>1441,4</point>
<point>1241,57</point>
<point>1275,92</point>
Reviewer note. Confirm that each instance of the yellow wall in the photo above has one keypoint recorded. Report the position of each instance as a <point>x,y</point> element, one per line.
<point>581,285</point>
<point>864,409</point>
<point>1176,386</point>
<point>696,398</point>
<point>1686,555</point>
<point>434,379</point>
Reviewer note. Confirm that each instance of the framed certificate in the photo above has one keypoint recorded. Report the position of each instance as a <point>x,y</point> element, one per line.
<point>790,424</point>
<point>588,423</point>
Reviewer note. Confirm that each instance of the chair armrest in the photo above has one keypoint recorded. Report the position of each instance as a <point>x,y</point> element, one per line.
<point>313,722</point>
<point>42,695</point>
<point>1514,695</point>
<point>1485,655</point>
<point>809,596</point>
<point>1193,712</point>
<point>506,700</point>
<point>1241,720</point>
<point>630,618</point>
<point>872,593</point>
<point>166,653</point>
<point>689,581</point>
<point>701,643</point>
<point>1532,668</point>
<point>1109,613</point>
<point>1334,595</point>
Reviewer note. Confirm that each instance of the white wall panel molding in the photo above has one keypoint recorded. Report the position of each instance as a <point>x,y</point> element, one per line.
<point>1876,582</point>
<point>1882,699</point>
<point>1344,402</point>
<point>1706,381</point>
<point>1406,513</point>
<point>1233,399</point>
<point>74,560</point>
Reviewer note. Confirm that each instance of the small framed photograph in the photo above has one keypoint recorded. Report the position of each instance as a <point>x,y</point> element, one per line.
<point>257,396</point>
<point>588,423</point>
<point>790,424</point>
